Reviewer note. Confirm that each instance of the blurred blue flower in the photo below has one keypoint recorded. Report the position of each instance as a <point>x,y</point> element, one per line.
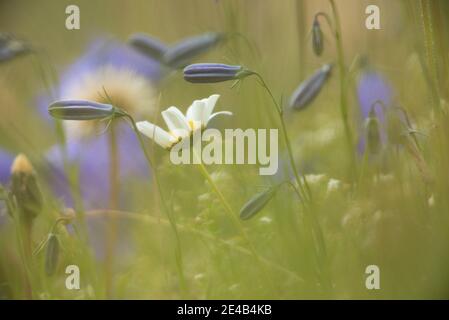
<point>6,160</point>
<point>92,158</point>
<point>184,51</point>
<point>372,87</point>
<point>109,72</point>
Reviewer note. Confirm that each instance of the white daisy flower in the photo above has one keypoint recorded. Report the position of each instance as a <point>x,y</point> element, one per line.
<point>179,126</point>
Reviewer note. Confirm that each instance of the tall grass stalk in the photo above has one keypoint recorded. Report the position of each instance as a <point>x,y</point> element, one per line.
<point>301,9</point>
<point>304,196</point>
<point>343,85</point>
<point>164,204</point>
<point>430,50</point>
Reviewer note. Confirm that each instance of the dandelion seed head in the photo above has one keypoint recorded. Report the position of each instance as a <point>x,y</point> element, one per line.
<point>120,86</point>
<point>198,277</point>
<point>266,220</point>
<point>383,178</point>
<point>315,178</point>
<point>431,201</point>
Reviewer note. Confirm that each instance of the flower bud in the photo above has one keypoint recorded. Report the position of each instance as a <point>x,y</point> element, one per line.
<point>317,38</point>
<point>373,139</point>
<point>257,203</point>
<point>148,46</point>
<point>83,110</point>
<point>24,188</point>
<point>10,47</point>
<point>213,72</point>
<point>309,89</point>
<point>181,54</point>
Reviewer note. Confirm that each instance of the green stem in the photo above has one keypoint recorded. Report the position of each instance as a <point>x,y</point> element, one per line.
<point>23,234</point>
<point>343,83</point>
<point>234,218</point>
<point>303,186</point>
<point>430,50</point>
<point>167,211</point>
<point>113,204</point>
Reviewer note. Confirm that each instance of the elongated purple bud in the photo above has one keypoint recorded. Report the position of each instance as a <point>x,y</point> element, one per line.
<point>309,89</point>
<point>372,128</point>
<point>213,72</point>
<point>317,38</point>
<point>10,47</point>
<point>148,46</point>
<point>82,110</point>
<point>181,54</point>
<point>25,189</point>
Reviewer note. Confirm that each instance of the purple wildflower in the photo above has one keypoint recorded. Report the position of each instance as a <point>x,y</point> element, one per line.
<point>187,49</point>
<point>372,87</point>
<point>108,72</point>
<point>309,89</point>
<point>92,157</point>
<point>11,47</point>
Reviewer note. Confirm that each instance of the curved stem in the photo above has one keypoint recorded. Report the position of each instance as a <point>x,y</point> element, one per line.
<point>167,211</point>
<point>328,20</point>
<point>304,195</point>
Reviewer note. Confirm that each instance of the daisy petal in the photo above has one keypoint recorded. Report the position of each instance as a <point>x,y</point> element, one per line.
<point>159,135</point>
<point>226,113</point>
<point>195,111</point>
<point>209,108</point>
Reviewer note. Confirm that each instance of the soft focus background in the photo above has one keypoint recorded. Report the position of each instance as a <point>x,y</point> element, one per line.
<point>394,216</point>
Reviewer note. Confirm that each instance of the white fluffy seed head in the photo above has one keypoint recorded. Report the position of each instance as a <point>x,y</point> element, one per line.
<point>126,89</point>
